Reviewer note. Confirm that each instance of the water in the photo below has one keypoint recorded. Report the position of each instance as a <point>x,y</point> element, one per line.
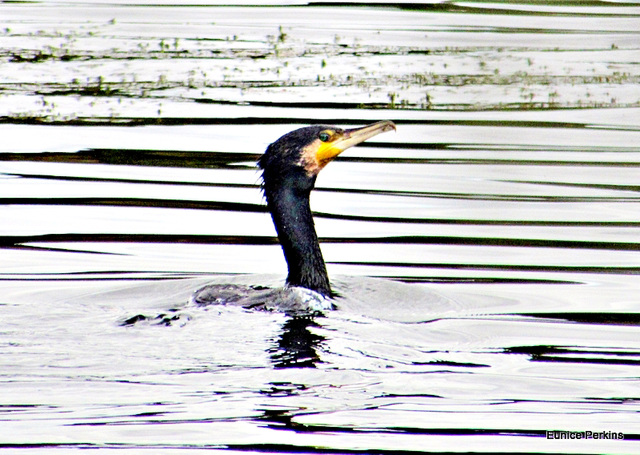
<point>486,254</point>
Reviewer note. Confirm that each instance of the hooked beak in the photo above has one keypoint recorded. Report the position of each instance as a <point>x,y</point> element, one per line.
<point>351,137</point>
<point>355,136</point>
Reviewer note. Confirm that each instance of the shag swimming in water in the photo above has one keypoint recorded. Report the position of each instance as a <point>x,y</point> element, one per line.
<point>290,167</point>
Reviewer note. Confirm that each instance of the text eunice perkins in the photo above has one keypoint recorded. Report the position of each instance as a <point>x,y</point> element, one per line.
<point>557,434</point>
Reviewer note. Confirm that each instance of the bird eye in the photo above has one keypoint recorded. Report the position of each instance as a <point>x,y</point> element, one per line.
<point>324,136</point>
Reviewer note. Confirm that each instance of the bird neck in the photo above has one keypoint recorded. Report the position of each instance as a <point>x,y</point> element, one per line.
<point>292,218</point>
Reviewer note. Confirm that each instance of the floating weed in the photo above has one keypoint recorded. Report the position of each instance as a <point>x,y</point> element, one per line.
<point>377,76</point>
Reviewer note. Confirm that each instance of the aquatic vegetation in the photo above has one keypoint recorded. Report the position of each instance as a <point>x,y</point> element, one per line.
<point>93,64</point>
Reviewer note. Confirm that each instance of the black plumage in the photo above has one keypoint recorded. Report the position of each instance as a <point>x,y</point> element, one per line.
<point>290,166</point>
<point>287,187</point>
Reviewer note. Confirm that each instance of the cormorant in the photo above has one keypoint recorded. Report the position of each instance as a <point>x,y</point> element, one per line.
<point>290,167</point>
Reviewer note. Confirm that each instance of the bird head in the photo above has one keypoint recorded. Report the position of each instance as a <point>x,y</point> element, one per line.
<point>303,153</point>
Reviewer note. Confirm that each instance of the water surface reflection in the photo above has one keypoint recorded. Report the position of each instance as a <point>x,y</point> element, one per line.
<point>297,344</point>
<point>486,255</point>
